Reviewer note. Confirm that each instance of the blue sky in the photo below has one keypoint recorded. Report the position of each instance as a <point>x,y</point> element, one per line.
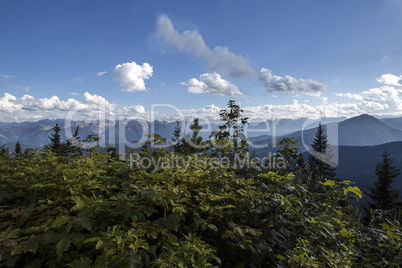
<point>276,58</point>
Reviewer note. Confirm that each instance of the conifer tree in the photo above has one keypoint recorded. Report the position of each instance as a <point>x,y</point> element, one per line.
<point>232,132</point>
<point>73,145</point>
<point>17,149</point>
<point>383,196</point>
<point>55,141</point>
<point>194,143</point>
<point>177,145</point>
<point>321,156</point>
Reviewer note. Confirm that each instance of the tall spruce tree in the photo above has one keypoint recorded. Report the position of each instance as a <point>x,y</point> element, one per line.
<point>17,149</point>
<point>231,132</point>
<point>177,144</point>
<point>382,195</point>
<point>320,156</point>
<point>73,145</point>
<point>194,143</point>
<point>55,141</point>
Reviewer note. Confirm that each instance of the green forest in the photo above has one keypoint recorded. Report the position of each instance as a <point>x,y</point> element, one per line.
<point>195,203</point>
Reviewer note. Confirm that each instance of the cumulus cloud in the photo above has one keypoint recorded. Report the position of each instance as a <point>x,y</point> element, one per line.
<point>350,96</point>
<point>131,75</point>
<point>288,84</point>
<point>214,84</point>
<point>98,100</point>
<point>390,79</point>
<point>388,96</point>
<point>91,107</point>
<point>220,59</point>
<point>385,100</point>
<point>53,103</point>
<point>30,108</point>
<point>132,110</point>
<point>293,110</point>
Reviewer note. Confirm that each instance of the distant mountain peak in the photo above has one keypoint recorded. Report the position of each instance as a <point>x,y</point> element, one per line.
<point>363,118</point>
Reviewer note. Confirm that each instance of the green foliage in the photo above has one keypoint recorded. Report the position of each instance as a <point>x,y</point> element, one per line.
<point>4,153</point>
<point>230,139</point>
<point>112,150</point>
<point>64,208</point>
<point>93,212</point>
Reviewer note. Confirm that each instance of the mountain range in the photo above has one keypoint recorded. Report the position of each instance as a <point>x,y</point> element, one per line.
<point>363,130</point>
<point>360,140</point>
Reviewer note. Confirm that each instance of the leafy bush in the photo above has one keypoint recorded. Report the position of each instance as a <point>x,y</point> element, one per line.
<point>93,211</point>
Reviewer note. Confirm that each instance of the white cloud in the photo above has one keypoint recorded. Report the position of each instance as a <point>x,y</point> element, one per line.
<point>390,79</point>
<point>385,59</point>
<point>29,108</point>
<point>100,74</point>
<point>385,100</point>
<point>132,76</point>
<point>210,112</point>
<point>220,59</point>
<point>288,84</point>
<point>8,105</point>
<point>53,103</point>
<point>388,96</point>
<point>98,100</point>
<point>26,89</point>
<point>214,84</point>
<point>78,80</point>
<point>132,110</point>
<point>7,76</point>
<point>350,96</point>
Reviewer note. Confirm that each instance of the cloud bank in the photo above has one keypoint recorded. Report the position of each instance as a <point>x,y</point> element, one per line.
<point>220,59</point>
<point>385,100</point>
<point>13,109</point>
